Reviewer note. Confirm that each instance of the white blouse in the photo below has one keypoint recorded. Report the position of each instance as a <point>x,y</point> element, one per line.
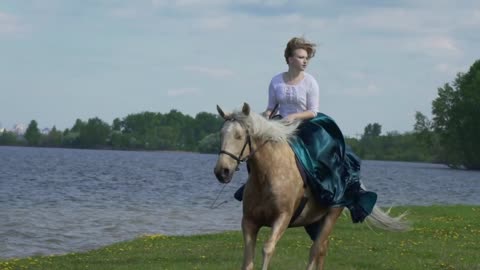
<point>300,97</point>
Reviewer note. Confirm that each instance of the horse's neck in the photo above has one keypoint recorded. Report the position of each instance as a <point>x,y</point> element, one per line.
<point>262,150</point>
<point>266,157</point>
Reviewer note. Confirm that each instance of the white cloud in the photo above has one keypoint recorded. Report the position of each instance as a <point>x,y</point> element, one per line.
<point>187,4</point>
<point>449,69</point>
<point>212,72</point>
<point>266,3</point>
<point>371,89</point>
<point>160,3</point>
<point>440,43</point>
<point>182,91</point>
<point>293,19</point>
<point>48,6</point>
<point>391,19</point>
<point>358,75</point>
<point>369,49</point>
<point>10,24</point>
<point>442,67</point>
<point>470,18</point>
<point>276,24</point>
<point>214,23</point>
<point>436,46</point>
<point>124,13</point>
<point>409,20</point>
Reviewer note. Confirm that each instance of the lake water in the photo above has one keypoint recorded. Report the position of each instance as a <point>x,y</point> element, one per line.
<point>54,201</point>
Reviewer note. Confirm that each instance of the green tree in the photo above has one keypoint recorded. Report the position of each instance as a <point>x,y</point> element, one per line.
<point>54,138</point>
<point>33,135</point>
<point>427,138</point>
<point>210,144</point>
<point>207,123</point>
<point>94,134</point>
<point>71,137</point>
<point>117,124</point>
<point>8,138</point>
<point>141,130</point>
<point>78,126</point>
<point>423,128</point>
<point>119,140</point>
<point>370,145</point>
<point>456,119</point>
<point>372,130</point>
<point>180,127</point>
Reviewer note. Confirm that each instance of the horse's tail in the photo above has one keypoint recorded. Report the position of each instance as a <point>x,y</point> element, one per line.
<point>383,220</point>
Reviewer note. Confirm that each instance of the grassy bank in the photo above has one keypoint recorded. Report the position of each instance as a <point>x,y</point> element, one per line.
<point>444,237</point>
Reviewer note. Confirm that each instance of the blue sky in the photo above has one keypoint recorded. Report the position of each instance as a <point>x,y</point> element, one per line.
<point>377,61</point>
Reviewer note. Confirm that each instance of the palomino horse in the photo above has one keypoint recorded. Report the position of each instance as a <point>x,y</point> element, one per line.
<point>275,188</point>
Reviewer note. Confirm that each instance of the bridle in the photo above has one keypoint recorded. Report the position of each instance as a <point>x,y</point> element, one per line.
<point>248,141</point>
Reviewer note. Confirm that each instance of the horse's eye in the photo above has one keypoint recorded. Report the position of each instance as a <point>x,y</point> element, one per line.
<point>238,137</point>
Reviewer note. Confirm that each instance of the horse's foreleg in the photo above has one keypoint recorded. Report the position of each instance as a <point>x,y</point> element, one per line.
<point>318,251</point>
<point>278,228</point>
<point>250,231</point>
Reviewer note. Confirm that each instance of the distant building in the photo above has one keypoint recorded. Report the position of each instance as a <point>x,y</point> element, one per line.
<point>19,129</point>
<point>45,131</point>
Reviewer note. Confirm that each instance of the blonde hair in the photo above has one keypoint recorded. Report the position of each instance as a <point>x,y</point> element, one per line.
<point>299,43</point>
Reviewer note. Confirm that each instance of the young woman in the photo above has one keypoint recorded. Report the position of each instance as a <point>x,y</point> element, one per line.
<point>295,91</point>
<point>333,171</point>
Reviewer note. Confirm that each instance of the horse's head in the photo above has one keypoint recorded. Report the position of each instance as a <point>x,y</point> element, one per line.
<point>235,144</point>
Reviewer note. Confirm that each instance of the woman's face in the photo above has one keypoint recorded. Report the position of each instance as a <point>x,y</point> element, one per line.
<point>299,59</point>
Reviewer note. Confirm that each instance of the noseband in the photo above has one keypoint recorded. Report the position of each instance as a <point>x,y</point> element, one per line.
<point>239,159</point>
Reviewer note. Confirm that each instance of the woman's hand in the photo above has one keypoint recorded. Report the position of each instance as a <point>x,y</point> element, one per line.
<point>289,119</point>
<point>266,114</point>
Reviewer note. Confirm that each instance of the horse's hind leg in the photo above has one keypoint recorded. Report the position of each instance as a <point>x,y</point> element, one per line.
<point>250,231</point>
<point>318,251</point>
<point>278,228</point>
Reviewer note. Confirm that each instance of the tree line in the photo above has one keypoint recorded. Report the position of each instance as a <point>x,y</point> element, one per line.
<point>141,131</point>
<point>450,137</point>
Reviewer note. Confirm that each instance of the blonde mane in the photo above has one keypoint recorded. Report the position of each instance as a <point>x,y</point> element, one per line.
<point>265,129</point>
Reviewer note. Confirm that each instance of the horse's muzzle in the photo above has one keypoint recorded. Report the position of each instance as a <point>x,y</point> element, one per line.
<point>224,175</point>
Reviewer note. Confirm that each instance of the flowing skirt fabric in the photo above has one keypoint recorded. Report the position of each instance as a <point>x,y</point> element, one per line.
<point>332,169</point>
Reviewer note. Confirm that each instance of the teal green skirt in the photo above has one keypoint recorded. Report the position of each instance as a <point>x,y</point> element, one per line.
<point>332,169</point>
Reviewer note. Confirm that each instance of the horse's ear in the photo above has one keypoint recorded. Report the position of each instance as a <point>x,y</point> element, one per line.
<point>246,108</point>
<point>220,112</point>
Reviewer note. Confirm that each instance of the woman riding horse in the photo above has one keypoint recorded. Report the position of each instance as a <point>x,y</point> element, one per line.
<point>275,190</point>
<point>277,154</point>
<point>332,172</point>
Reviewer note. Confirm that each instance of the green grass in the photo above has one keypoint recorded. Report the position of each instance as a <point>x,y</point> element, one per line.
<point>443,237</point>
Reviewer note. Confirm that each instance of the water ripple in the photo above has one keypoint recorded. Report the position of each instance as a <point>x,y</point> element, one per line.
<point>54,201</point>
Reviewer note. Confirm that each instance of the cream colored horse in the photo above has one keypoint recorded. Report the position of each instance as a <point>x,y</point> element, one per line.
<point>275,187</point>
